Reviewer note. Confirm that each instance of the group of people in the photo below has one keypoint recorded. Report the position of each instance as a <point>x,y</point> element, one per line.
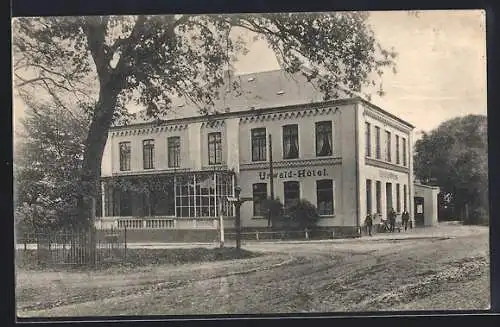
<point>405,217</point>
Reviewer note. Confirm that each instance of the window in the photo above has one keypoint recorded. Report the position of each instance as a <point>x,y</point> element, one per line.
<point>324,193</point>
<point>290,141</point>
<point>404,152</point>
<point>398,161</point>
<point>398,198</point>
<point>368,140</point>
<point>200,195</point>
<point>405,198</point>
<point>162,198</point>
<point>214,148</point>
<point>259,144</point>
<point>259,195</point>
<point>125,202</point>
<point>378,196</point>
<point>388,146</point>
<point>368,196</point>
<point>324,138</point>
<point>292,193</point>
<point>108,201</point>
<point>148,152</point>
<point>205,196</point>
<point>225,188</point>
<point>174,151</point>
<point>377,142</point>
<point>125,156</point>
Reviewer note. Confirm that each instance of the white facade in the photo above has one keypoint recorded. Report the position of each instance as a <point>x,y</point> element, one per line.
<point>344,167</point>
<point>426,205</point>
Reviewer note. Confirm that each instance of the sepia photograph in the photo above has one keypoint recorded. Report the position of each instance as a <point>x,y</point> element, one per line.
<point>267,163</point>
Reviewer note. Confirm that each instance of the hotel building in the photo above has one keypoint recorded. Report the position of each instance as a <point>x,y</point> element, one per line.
<point>348,157</point>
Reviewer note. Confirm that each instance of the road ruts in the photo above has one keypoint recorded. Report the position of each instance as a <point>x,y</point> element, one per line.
<point>319,278</point>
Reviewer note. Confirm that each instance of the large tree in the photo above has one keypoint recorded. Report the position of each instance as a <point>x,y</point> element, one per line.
<point>48,155</point>
<point>107,61</point>
<point>454,157</point>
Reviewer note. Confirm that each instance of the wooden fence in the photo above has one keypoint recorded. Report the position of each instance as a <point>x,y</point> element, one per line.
<point>284,235</point>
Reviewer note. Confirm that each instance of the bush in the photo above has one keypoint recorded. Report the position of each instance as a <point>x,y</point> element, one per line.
<point>274,207</point>
<point>303,215</point>
<point>478,216</point>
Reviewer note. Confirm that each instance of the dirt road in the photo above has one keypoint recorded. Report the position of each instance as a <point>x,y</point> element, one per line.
<point>433,272</point>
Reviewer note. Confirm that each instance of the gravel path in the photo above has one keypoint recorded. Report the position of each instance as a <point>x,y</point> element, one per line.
<point>357,275</point>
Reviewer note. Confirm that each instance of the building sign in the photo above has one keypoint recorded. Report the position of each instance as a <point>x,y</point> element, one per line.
<point>387,175</point>
<point>299,173</point>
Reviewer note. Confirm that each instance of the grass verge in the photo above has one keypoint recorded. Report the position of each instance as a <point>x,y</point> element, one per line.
<point>30,260</point>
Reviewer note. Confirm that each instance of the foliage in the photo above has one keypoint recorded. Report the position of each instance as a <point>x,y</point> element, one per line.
<point>33,218</point>
<point>303,214</point>
<point>274,208</point>
<point>300,216</point>
<point>105,63</point>
<point>48,156</point>
<point>479,215</point>
<point>454,157</point>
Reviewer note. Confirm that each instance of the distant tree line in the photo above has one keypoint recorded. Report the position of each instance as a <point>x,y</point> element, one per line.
<point>454,156</point>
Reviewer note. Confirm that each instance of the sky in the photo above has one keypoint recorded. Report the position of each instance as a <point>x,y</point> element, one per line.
<point>441,65</point>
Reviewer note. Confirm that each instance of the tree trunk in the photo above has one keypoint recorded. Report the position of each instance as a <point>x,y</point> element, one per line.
<point>93,152</point>
<point>91,167</point>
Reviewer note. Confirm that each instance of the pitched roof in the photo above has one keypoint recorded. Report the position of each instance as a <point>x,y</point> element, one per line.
<point>261,90</point>
<point>267,89</point>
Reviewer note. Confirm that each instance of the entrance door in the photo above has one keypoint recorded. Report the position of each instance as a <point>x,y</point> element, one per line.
<point>419,211</point>
<point>388,196</point>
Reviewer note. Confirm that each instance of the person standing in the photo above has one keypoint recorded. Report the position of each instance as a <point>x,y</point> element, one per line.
<point>392,220</point>
<point>405,217</point>
<point>369,223</point>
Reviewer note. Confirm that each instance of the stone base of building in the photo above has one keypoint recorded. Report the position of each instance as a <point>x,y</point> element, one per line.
<point>212,235</point>
<point>164,235</point>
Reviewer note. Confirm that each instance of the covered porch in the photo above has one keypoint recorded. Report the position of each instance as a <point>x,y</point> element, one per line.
<point>187,200</point>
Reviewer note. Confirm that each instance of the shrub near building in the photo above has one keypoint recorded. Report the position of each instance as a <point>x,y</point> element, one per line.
<point>300,216</point>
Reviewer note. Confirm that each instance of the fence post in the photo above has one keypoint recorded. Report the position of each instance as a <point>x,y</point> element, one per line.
<point>125,239</point>
<point>257,235</point>
<point>37,249</point>
<point>307,235</point>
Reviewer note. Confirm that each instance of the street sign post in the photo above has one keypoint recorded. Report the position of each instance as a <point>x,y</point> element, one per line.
<point>237,205</point>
